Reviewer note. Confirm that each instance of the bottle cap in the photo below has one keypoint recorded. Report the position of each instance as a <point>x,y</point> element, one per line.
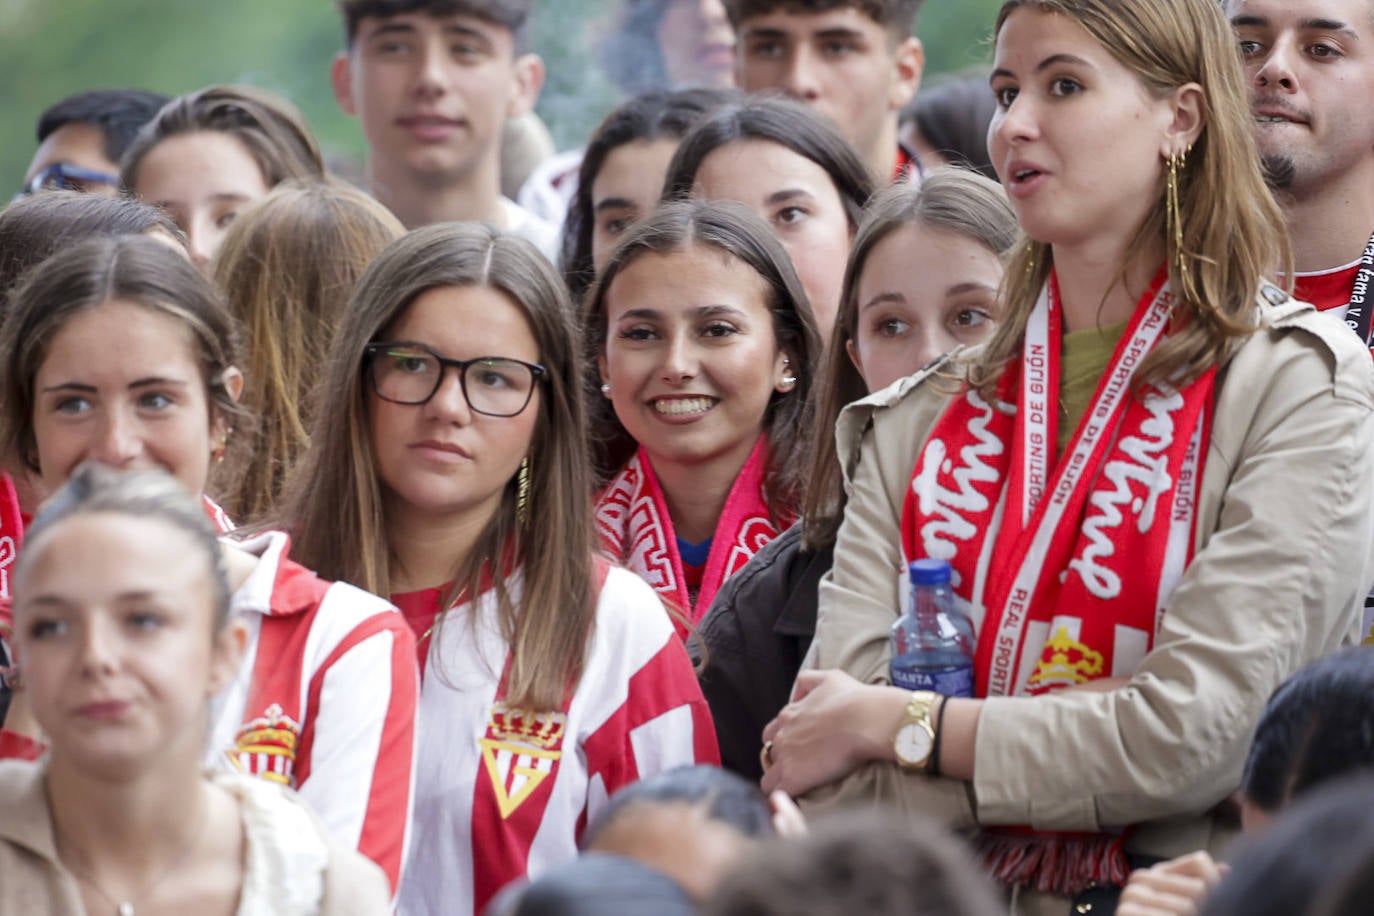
<point>929,572</point>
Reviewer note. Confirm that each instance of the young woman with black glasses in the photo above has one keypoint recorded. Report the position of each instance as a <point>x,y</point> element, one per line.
<point>448,470</point>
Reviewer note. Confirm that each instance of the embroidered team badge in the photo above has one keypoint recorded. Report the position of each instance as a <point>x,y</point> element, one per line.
<point>1065,662</point>
<point>521,750</point>
<point>266,747</point>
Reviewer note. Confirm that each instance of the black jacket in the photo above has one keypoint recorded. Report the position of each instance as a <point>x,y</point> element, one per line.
<point>756,634</point>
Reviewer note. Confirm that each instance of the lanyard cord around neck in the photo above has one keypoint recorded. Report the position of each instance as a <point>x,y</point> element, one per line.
<point>1358,315</point>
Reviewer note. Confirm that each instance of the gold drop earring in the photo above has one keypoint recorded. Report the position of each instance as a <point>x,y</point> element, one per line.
<point>1173,213</point>
<point>522,492</point>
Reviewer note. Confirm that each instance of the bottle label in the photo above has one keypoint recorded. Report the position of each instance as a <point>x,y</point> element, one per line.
<point>949,682</point>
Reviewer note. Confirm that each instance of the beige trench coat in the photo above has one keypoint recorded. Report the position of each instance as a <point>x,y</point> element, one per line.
<point>1285,556</point>
<point>33,880</point>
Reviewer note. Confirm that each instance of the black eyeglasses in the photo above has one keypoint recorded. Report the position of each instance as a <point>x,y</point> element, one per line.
<point>64,175</point>
<point>411,373</point>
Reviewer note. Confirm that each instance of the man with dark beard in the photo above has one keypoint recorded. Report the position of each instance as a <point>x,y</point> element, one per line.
<point>1310,65</point>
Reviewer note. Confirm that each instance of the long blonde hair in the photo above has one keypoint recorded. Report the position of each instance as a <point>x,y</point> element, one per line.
<point>334,504</point>
<point>287,267</point>
<point>1233,231</point>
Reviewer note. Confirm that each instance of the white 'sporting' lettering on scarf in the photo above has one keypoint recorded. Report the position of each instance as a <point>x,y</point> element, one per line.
<point>1149,467</point>
<point>948,525</point>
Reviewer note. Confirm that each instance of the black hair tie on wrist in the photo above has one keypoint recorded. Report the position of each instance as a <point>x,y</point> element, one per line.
<point>939,730</point>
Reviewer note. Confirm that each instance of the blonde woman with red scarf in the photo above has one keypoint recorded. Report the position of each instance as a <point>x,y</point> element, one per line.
<point>702,342</point>
<point>1152,484</point>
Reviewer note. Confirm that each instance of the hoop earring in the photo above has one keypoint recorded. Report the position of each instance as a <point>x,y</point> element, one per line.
<point>1173,213</point>
<point>522,492</point>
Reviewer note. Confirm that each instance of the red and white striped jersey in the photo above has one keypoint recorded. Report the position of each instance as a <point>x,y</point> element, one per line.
<point>503,792</point>
<point>325,701</point>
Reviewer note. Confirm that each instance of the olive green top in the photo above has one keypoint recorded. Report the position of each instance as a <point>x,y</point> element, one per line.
<point>1085,355</point>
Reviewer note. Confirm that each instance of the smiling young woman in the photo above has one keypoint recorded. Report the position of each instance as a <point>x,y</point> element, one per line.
<point>703,344</point>
<point>1178,490</point>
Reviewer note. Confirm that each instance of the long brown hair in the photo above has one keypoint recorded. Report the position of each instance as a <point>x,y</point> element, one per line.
<point>288,266</point>
<point>734,230</point>
<point>953,199</point>
<point>334,504</point>
<point>1232,228</point>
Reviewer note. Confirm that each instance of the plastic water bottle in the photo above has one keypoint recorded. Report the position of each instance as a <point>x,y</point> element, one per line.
<point>932,646</point>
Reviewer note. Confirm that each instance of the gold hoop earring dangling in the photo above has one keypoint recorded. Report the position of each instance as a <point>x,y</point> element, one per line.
<point>522,492</point>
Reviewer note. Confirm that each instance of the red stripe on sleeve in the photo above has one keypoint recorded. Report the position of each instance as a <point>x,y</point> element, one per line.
<point>665,683</point>
<point>14,746</point>
<point>387,821</point>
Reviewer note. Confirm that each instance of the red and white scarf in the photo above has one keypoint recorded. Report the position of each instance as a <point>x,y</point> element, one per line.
<point>1075,559</point>
<point>634,528</point>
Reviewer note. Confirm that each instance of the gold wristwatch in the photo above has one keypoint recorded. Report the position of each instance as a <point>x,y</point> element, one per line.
<point>914,742</point>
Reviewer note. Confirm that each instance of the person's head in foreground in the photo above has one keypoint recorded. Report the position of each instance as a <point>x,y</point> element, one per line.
<point>1084,149</point>
<point>691,823</point>
<point>453,391</point>
<point>121,651</point>
<point>1318,726</point>
<point>1317,859</point>
<point>597,884</point>
<point>873,863</point>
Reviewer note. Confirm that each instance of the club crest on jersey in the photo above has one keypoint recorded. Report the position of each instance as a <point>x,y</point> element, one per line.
<point>266,747</point>
<point>1064,663</point>
<point>521,750</point>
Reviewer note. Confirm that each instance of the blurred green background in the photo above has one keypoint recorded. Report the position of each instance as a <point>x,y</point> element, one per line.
<point>49,48</point>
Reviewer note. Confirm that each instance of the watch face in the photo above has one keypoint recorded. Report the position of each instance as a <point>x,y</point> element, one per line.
<point>913,744</point>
